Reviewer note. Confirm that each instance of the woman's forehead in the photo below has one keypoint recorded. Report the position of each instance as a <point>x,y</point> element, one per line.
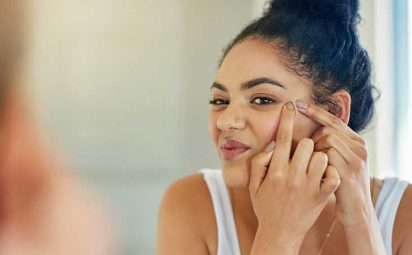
<point>252,59</point>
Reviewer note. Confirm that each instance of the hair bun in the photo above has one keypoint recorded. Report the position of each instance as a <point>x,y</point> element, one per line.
<point>343,12</point>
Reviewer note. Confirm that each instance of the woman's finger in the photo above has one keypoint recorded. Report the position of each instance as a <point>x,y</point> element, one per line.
<point>281,154</point>
<point>336,160</point>
<point>357,148</point>
<point>323,131</point>
<point>259,166</point>
<point>302,157</point>
<point>330,183</point>
<point>317,166</point>
<point>333,141</point>
<point>325,118</point>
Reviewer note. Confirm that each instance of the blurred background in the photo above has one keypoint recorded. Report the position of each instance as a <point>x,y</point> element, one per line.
<point>122,86</point>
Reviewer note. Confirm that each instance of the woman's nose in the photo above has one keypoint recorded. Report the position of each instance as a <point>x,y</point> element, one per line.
<point>231,118</point>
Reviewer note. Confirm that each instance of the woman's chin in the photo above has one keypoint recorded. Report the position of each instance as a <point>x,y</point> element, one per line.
<point>236,175</point>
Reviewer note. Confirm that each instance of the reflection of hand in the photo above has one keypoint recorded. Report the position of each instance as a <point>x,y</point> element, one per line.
<point>288,195</point>
<point>346,152</point>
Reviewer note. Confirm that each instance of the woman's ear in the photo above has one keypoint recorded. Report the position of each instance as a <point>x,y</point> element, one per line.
<point>343,99</point>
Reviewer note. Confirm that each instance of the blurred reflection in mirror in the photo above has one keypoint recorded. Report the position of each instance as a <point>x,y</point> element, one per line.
<point>43,209</point>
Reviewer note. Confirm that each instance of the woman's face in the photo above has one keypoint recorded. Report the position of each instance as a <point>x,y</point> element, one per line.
<point>251,87</point>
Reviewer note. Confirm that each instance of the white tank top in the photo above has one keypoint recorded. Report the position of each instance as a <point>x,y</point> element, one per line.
<point>386,207</point>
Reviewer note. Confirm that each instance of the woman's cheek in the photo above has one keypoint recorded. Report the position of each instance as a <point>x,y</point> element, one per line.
<point>262,129</point>
<point>212,128</point>
<point>266,131</point>
<point>303,128</point>
<point>269,127</point>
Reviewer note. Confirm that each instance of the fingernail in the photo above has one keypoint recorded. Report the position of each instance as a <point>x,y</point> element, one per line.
<point>290,106</point>
<point>270,147</point>
<point>301,105</point>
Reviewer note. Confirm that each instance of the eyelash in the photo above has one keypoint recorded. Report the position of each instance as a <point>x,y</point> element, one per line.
<point>215,101</point>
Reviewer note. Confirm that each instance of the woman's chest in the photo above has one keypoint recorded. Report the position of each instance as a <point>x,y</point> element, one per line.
<point>316,241</point>
<point>336,244</point>
<point>312,244</point>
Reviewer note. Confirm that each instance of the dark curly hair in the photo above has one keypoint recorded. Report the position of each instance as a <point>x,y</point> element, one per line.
<point>318,39</point>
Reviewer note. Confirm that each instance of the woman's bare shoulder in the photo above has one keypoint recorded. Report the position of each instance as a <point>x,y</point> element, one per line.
<point>185,217</point>
<point>187,193</point>
<point>189,183</point>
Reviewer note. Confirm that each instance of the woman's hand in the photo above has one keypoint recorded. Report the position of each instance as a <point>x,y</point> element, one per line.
<point>347,153</point>
<point>288,195</point>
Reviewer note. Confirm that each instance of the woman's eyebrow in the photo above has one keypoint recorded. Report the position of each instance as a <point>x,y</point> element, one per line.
<point>249,84</point>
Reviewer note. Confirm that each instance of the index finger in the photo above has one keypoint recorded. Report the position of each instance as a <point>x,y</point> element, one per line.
<point>324,117</point>
<point>281,153</point>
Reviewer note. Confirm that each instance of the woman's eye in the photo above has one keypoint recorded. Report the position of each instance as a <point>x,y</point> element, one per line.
<point>256,100</point>
<point>218,102</point>
<point>263,100</point>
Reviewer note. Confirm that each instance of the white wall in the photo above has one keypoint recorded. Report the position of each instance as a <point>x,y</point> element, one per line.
<point>123,88</point>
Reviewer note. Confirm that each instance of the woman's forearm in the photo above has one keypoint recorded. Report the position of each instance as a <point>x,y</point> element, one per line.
<point>268,242</point>
<point>364,237</point>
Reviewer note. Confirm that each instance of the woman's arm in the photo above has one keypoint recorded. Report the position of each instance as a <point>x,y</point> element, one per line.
<point>180,221</point>
<point>402,230</point>
<point>347,152</point>
<point>364,237</point>
<point>266,242</point>
<point>358,237</point>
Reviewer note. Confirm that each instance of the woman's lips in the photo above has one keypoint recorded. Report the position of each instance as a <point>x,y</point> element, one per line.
<point>231,153</point>
<point>232,148</point>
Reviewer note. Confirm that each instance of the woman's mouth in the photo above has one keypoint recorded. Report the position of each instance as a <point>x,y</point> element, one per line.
<point>232,153</point>
<point>232,149</point>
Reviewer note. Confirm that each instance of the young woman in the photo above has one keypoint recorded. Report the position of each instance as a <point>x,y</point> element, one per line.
<point>292,92</point>
<point>43,209</point>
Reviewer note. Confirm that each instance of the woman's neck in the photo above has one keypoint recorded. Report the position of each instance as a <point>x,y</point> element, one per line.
<point>242,206</point>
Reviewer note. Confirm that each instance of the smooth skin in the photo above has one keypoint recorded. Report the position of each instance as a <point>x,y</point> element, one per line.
<point>301,193</point>
<point>187,222</point>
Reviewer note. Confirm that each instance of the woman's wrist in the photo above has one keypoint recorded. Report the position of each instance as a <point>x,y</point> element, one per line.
<point>364,215</point>
<point>268,241</point>
<point>365,237</point>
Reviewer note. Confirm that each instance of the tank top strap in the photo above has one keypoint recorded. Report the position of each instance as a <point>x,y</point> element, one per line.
<point>228,243</point>
<point>386,207</point>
